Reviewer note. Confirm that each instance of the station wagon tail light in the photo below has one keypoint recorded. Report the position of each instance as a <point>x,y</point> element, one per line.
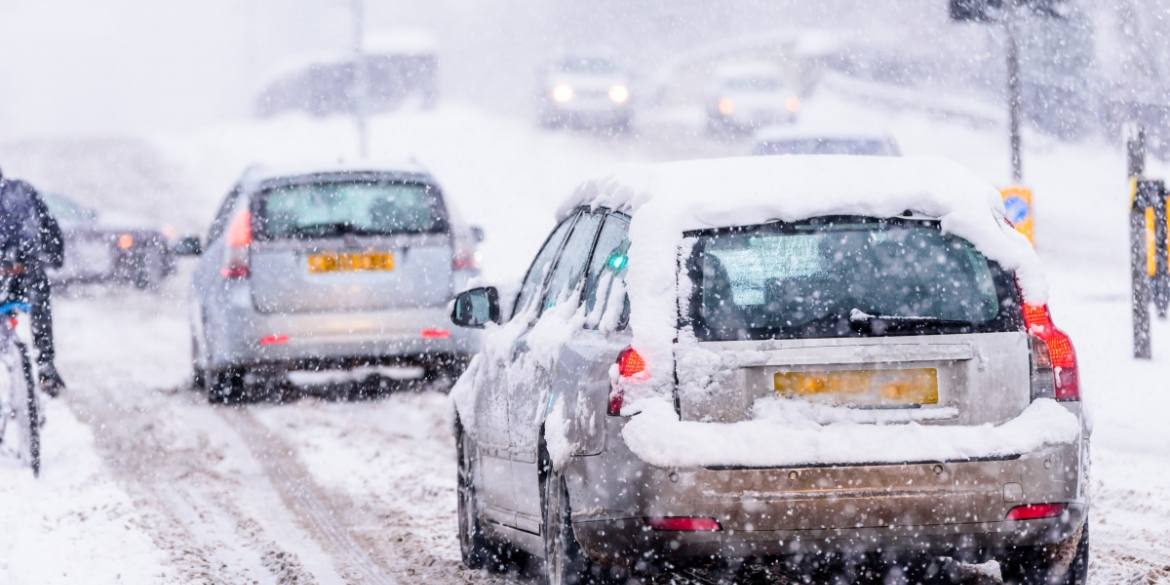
<point>1054,362</point>
<point>684,524</point>
<point>239,237</point>
<point>436,334</point>
<point>629,364</point>
<point>274,340</point>
<point>1036,511</point>
<point>466,260</point>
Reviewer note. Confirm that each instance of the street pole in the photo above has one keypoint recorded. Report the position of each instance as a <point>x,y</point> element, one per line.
<point>360,78</point>
<point>1138,259</point>
<point>1014,97</point>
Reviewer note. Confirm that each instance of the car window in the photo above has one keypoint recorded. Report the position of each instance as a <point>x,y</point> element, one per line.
<point>331,209</point>
<point>222,216</point>
<point>541,266</point>
<point>605,295</point>
<point>571,263</point>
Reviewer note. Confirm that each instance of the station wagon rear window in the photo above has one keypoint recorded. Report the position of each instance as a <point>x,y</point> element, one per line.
<point>332,209</point>
<point>844,276</point>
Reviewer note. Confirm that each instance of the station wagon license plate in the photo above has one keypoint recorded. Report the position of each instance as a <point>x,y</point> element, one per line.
<point>350,262</point>
<point>909,387</point>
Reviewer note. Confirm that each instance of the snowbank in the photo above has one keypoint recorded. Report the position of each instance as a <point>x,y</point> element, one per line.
<point>774,439</point>
<point>667,199</point>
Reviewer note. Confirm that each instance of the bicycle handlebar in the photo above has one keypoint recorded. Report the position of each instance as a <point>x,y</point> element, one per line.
<point>14,306</point>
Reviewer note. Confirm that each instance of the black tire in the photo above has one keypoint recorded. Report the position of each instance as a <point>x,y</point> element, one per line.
<point>565,562</point>
<point>478,552</point>
<point>1066,563</point>
<point>150,270</point>
<point>32,423</point>
<point>225,386</point>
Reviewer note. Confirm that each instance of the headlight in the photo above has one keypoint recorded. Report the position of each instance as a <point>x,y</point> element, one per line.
<point>793,104</point>
<point>562,93</point>
<point>619,94</point>
<point>726,107</point>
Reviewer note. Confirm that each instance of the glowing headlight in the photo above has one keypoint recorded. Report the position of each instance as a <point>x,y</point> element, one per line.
<point>793,104</point>
<point>619,94</point>
<point>562,93</point>
<point>725,107</point>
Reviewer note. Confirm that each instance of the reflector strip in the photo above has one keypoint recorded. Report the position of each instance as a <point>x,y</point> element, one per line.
<point>436,334</point>
<point>684,524</point>
<point>1036,511</point>
<point>273,340</point>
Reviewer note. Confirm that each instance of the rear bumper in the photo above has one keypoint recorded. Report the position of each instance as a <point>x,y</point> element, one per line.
<point>926,507</point>
<point>416,336</point>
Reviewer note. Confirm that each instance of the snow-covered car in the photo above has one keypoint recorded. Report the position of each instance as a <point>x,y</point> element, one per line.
<point>838,363</point>
<point>749,95</point>
<point>312,273</point>
<point>108,247</point>
<point>584,91</point>
<point>785,140</point>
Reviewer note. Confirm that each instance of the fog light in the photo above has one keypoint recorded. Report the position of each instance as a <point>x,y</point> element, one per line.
<point>684,524</point>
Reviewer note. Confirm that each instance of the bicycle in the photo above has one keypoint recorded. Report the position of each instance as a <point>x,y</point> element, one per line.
<point>18,398</point>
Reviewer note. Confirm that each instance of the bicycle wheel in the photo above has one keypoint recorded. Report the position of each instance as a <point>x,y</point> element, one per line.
<point>28,413</point>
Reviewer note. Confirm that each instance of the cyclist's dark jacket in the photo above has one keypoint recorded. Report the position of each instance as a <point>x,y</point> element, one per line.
<point>28,232</point>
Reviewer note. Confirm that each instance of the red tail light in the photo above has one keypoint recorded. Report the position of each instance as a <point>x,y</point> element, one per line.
<point>629,363</point>
<point>684,524</point>
<point>1060,349</point>
<point>274,340</point>
<point>239,237</point>
<point>465,261</point>
<point>436,334</point>
<point>1036,511</point>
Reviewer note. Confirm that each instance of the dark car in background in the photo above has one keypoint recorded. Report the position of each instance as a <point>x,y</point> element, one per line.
<point>108,248</point>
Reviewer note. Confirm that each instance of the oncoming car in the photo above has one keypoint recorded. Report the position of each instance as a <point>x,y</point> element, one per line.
<point>746,96</point>
<point>838,366</point>
<point>334,270</point>
<point>585,91</point>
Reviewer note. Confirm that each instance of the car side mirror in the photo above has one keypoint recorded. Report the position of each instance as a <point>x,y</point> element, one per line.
<point>477,233</point>
<point>187,246</point>
<point>476,308</point>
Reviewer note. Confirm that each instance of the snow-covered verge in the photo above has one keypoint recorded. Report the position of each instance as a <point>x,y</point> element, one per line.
<point>73,524</point>
<point>776,438</point>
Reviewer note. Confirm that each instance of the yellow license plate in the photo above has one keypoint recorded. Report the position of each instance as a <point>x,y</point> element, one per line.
<point>861,387</point>
<point>350,262</point>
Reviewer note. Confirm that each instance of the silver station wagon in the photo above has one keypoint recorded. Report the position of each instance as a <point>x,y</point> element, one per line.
<point>840,368</point>
<point>329,270</point>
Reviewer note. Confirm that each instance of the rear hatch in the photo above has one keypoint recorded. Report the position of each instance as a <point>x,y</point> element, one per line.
<point>350,242</point>
<point>870,321</point>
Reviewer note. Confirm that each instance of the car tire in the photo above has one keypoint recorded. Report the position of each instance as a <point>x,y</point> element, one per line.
<point>565,562</point>
<point>1065,563</point>
<point>151,270</point>
<point>477,551</point>
<point>225,386</point>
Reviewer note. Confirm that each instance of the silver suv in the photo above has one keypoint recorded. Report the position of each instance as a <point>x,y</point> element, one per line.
<point>332,268</point>
<point>861,321</point>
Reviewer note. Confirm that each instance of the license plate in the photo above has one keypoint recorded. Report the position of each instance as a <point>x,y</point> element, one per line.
<point>350,262</point>
<point>862,387</point>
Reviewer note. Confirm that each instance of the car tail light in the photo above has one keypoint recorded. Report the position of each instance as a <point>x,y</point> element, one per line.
<point>629,364</point>
<point>274,340</point>
<point>125,241</point>
<point>239,237</point>
<point>1036,511</point>
<point>684,524</point>
<point>1054,362</point>
<point>465,261</point>
<point>436,334</point>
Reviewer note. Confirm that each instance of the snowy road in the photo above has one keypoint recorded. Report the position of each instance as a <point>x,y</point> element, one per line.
<point>146,483</point>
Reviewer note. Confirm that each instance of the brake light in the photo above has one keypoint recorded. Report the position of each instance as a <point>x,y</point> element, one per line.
<point>684,524</point>
<point>274,340</point>
<point>239,237</point>
<point>436,334</point>
<point>1054,361</point>
<point>629,364</point>
<point>1036,511</point>
<point>466,260</point>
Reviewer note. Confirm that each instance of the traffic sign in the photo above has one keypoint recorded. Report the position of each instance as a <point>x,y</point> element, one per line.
<point>1017,200</point>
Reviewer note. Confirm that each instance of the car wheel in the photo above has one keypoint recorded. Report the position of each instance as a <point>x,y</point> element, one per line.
<point>565,562</point>
<point>150,271</point>
<point>198,374</point>
<point>477,551</point>
<point>1066,563</point>
<point>225,386</point>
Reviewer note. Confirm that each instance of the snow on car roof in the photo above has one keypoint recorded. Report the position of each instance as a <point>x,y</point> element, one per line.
<point>259,173</point>
<point>664,200</point>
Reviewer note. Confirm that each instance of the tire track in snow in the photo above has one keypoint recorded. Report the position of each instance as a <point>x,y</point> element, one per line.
<point>326,519</point>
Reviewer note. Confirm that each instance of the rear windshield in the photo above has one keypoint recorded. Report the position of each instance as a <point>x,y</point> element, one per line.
<point>331,209</point>
<point>844,277</point>
<point>826,146</point>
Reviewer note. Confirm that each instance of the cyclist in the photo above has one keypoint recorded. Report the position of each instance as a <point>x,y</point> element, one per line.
<point>31,242</point>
